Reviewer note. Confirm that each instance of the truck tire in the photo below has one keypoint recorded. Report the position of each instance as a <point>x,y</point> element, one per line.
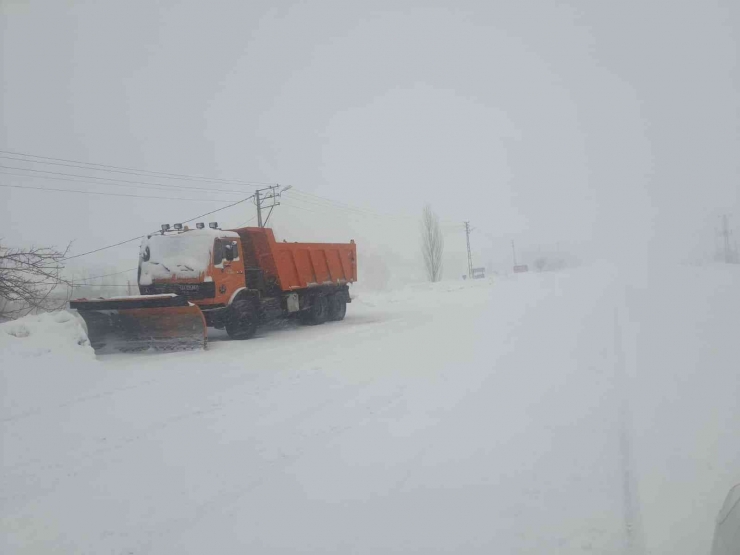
<point>317,313</point>
<point>242,322</point>
<point>337,307</point>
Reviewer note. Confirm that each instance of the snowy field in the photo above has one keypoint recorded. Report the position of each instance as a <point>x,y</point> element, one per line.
<point>588,411</point>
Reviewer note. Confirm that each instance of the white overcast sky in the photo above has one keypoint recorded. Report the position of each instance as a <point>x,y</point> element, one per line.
<point>609,127</point>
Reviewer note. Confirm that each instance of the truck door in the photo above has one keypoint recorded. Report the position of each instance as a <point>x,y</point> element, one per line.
<point>229,268</point>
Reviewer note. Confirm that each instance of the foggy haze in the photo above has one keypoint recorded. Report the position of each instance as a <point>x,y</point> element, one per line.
<point>609,130</point>
<point>580,397</point>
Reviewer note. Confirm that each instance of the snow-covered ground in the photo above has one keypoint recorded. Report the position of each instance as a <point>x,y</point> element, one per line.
<point>582,411</point>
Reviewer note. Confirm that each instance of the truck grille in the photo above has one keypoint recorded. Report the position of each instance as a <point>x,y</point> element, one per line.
<point>192,291</point>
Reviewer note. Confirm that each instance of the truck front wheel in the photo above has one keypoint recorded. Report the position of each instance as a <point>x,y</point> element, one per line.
<point>242,320</point>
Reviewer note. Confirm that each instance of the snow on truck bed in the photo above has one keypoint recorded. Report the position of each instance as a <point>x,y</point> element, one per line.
<point>555,413</point>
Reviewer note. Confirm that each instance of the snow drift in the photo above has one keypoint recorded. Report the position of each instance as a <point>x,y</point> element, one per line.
<point>58,336</point>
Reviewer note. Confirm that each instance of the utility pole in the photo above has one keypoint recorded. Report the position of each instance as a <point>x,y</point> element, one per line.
<point>470,256</point>
<point>726,234</point>
<point>258,202</point>
<point>271,194</point>
<point>513,250</point>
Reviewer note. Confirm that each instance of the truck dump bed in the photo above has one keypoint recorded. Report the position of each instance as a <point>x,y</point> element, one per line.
<point>298,265</point>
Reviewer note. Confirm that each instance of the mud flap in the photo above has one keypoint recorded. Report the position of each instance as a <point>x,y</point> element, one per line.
<point>160,322</point>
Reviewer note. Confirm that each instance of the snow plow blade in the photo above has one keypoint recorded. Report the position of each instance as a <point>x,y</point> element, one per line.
<point>160,322</point>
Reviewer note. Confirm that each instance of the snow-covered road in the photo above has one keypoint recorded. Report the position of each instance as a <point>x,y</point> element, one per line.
<point>541,414</point>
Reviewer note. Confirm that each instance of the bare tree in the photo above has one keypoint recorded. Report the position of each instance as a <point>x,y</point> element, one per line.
<point>28,278</point>
<point>432,244</point>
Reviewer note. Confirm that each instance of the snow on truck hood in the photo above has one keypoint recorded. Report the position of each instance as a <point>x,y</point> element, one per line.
<point>185,255</point>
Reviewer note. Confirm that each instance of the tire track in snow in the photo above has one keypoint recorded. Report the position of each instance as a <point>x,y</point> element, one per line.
<point>225,501</point>
<point>88,458</point>
<point>90,397</point>
<point>633,537</point>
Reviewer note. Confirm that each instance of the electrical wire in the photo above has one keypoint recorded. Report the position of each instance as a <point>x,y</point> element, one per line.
<point>245,223</point>
<point>114,182</point>
<point>218,210</point>
<point>122,169</point>
<point>309,198</point>
<point>141,173</point>
<point>108,194</point>
<point>106,275</point>
<point>303,200</point>
<point>316,205</point>
<point>137,238</point>
<point>140,236</point>
<point>324,202</point>
<point>321,205</point>
<point>95,285</point>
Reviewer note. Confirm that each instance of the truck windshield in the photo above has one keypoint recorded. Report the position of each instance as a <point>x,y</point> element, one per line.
<point>182,256</point>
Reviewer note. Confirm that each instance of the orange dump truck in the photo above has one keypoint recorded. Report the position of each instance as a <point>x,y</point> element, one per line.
<point>190,279</point>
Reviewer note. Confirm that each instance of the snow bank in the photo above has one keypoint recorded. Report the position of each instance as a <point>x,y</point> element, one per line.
<point>42,357</point>
<point>57,336</point>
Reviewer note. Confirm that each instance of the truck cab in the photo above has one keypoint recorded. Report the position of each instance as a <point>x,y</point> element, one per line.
<point>203,265</point>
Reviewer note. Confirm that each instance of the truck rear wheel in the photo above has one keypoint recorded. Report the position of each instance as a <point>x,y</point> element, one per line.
<point>337,307</point>
<point>242,322</point>
<point>317,313</point>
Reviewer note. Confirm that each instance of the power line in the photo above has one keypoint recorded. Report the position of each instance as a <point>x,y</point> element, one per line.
<point>142,173</point>
<point>350,210</point>
<point>140,236</point>
<point>490,237</point>
<point>104,248</point>
<point>245,223</point>
<point>218,209</point>
<point>316,199</point>
<point>123,169</point>
<point>108,194</point>
<point>302,208</point>
<point>95,285</point>
<point>116,182</point>
<point>312,200</point>
<point>309,198</point>
<point>87,279</point>
<point>324,202</point>
<point>105,275</point>
<point>310,205</point>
